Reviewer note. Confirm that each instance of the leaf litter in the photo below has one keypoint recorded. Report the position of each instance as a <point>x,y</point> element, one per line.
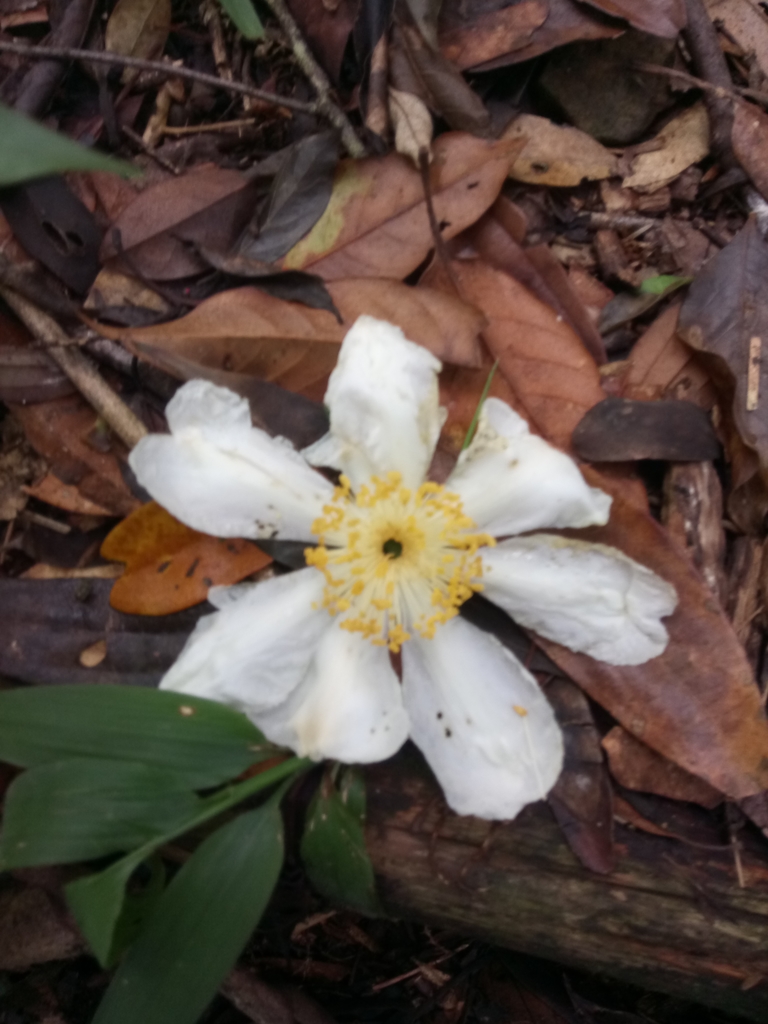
<point>484,253</point>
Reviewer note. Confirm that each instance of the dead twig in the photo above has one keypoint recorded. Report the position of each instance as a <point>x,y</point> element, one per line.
<point>78,368</point>
<point>731,92</point>
<point>710,63</point>
<point>167,70</point>
<point>318,78</point>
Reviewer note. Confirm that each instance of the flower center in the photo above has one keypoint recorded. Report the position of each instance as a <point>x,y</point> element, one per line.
<point>396,560</point>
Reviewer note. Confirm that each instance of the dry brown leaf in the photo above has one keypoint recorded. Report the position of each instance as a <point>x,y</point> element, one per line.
<point>248,331</point>
<point>680,143</point>
<point>636,766</point>
<point>749,137</point>
<point>553,377</point>
<point>55,492</point>
<point>469,36</point>
<point>566,22</point>
<point>208,205</point>
<point>138,28</point>
<point>412,122</point>
<point>558,155</point>
<point>660,365</point>
<point>59,431</point>
<point>658,17</point>
<point>746,22</point>
<point>376,222</point>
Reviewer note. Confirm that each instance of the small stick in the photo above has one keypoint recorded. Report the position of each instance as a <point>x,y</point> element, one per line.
<point>318,78</point>
<point>80,370</point>
<point>168,70</point>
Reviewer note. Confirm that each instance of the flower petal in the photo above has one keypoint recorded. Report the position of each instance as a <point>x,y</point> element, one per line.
<point>384,406</point>
<point>218,474</point>
<point>349,705</point>
<point>481,721</point>
<point>512,481</point>
<point>588,597</point>
<point>255,652</point>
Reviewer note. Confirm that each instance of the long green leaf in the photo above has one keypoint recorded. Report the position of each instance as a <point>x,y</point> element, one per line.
<point>85,808</point>
<point>199,925</point>
<point>333,848</point>
<point>97,901</point>
<point>243,14</point>
<point>31,151</point>
<point>203,742</point>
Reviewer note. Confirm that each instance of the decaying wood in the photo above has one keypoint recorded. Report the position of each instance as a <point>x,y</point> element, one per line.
<point>671,917</point>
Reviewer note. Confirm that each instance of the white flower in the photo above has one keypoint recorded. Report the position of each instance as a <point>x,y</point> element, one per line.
<point>307,655</point>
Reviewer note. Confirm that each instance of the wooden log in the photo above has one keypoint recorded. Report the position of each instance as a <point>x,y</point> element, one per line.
<point>671,918</point>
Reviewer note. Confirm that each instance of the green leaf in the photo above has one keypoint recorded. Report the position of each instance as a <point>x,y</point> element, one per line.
<point>31,151</point>
<point>243,14</point>
<point>76,810</point>
<point>662,284</point>
<point>334,852</point>
<point>98,900</point>
<point>199,925</point>
<point>203,742</point>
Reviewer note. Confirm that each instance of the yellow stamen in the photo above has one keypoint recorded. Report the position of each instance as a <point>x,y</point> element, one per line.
<point>397,560</point>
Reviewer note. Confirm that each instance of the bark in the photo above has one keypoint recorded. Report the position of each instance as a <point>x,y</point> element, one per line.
<point>671,917</point>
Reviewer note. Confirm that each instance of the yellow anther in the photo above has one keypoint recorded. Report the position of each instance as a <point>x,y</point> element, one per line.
<point>396,560</point>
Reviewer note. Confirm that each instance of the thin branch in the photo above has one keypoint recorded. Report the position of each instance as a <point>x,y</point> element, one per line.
<point>318,78</point>
<point>78,368</point>
<point>168,70</point>
<point>732,93</point>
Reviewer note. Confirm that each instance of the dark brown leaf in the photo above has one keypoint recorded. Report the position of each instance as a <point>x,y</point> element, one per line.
<point>620,430</point>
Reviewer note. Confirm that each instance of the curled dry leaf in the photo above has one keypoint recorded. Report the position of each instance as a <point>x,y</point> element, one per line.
<point>749,137</point>
<point>412,122</point>
<point>680,143</point>
<point>168,566</point>
<point>376,223</point>
<point>746,23</point>
<point>558,155</point>
<point>248,331</point>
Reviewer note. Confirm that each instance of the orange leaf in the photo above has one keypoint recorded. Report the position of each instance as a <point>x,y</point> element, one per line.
<point>169,567</point>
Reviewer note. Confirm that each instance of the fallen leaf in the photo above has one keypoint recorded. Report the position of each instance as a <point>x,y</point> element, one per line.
<point>725,318</point>
<point>557,155</point>
<point>566,21</point>
<point>412,122</point>
<point>697,704</point>
<point>416,68</point>
<point>376,222</point>
<point>636,766</point>
<point>471,35</point>
<point>745,22</point>
<point>326,28</point>
<point>207,204</point>
<point>622,430</point>
<point>298,195</point>
<point>660,365</point>
<point>248,331</point>
<point>138,28</point>
<point>59,430</point>
<point>554,378</point>
<point>680,143</point>
<point>658,17</point>
<point>749,137</point>
<point>43,571</point>
<point>168,566</point>
<point>67,497</point>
